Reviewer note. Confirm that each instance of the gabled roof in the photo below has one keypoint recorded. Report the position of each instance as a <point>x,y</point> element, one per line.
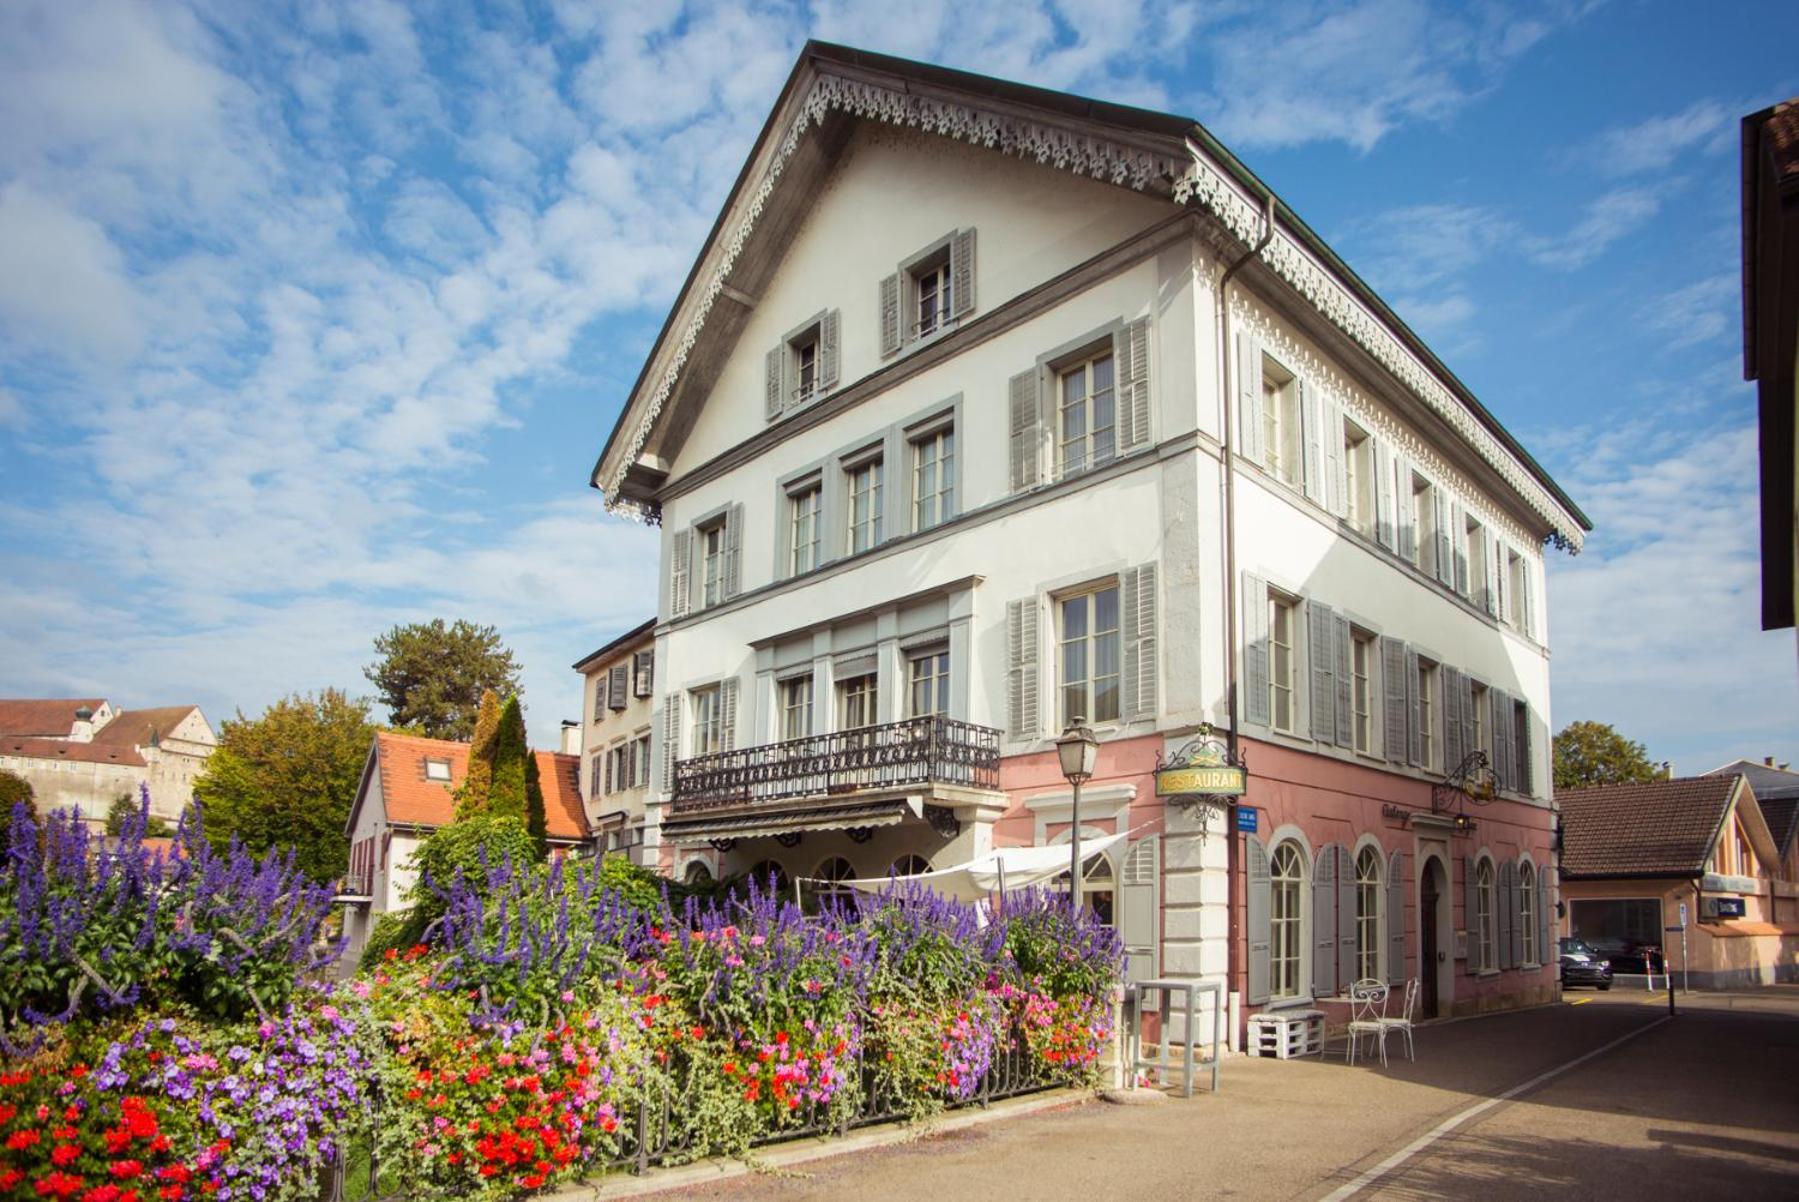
<point>624,641</point>
<point>141,728</point>
<point>1159,153</point>
<point>1782,814</point>
<point>412,799</point>
<point>1769,782</point>
<point>1658,828</point>
<point>43,718</point>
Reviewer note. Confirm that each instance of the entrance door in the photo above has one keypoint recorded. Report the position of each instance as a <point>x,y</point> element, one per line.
<point>1429,891</point>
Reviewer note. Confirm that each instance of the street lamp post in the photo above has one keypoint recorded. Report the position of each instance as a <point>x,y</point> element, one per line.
<point>1078,750</point>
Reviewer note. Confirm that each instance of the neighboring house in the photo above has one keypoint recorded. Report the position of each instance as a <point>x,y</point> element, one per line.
<point>1633,855</point>
<point>1770,141</point>
<point>1029,450</point>
<point>82,754</point>
<point>408,790</point>
<point>618,684</point>
<point>1776,789</point>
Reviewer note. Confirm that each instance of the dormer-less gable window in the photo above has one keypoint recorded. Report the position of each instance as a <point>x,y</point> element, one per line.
<point>437,769</point>
<point>804,366</point>
<point>930,293</point>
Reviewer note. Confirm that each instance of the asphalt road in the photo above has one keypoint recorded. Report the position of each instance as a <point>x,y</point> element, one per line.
<point>1705,1106</point>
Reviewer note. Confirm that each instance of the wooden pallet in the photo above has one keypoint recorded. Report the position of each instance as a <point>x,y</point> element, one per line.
<point>1287,1035</point>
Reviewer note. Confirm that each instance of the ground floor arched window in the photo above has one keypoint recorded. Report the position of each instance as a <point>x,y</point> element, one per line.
<point>1527,911</point>
<point>1287,920</point>
<point>1486,911</point>
<point>1369,891</point>
<point>910,865</point>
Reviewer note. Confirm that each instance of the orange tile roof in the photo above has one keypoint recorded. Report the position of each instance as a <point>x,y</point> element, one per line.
<point>62,749</point>
<point>39,716</point>
<point>413,800</point>
<point>1648,828</point>
<point>134,728</point>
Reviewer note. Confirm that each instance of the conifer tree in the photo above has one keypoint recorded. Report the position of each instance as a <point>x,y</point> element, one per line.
<point>507,792</point>
<point>535,820</point>
<point>472,798</point>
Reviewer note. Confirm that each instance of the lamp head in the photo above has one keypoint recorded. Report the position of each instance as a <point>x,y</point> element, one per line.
<point>1078,750</point>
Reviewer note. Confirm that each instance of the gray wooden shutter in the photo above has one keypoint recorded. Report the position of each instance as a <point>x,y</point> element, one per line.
<point>1515,877</point>
<point>1454,744</point>
<point>1527,764</point>
<point>1336,488</point>
<point>1445,557</point>
<point>1027,416</point>
<point>1022,689</point>
<point>1256,709</point>
<point>1385,515</point>
<point>671,740</point>
<point>727,714</point>
<point>1324,922</point>
<point>680,565</point>
<point>616,686</point>
<point>1396,718</point>
<point>1505,898</point>
<point>1258,919</point>
<point>1527,593</point>
<point>1346,918</point>
<point>1414,704</point>
<point>1500,722</point>
<point>890,315</point>
<point>1321,628</point>
<point>1249,398</point>
<point>961,273</point>
<point>1458,535</point>
<point>643,673</point>
<point>1312,428</point>
<point>1130,360</point>
<point>775,382</point>
<point>1396,921</point>
<point>1140,644</point>
<point>1345,648</point>
<point>1469,721</point>
<point>1471,912</point>
<point>830,355</point>
<point>608,777</point>
<point>1139,906</point>
<point>1545,953</point>
<point>733,582</point>
<point>1403,494</point>
<point>1490,571</point>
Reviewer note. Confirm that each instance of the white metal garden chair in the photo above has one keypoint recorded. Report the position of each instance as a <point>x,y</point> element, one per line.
<point>1367,1005</point>
<point>1406,1018</point>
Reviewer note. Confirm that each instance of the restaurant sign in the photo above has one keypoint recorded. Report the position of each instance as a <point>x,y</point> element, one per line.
<point>1203,766</point>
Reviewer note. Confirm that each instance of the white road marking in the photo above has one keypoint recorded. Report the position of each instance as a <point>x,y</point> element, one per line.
<point>1370,1176</point>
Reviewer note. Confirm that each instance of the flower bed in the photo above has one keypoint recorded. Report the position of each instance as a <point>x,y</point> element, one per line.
<point>546,1030</point>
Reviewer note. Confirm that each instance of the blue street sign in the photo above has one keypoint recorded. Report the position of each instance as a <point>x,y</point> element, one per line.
<point>1246,819</point>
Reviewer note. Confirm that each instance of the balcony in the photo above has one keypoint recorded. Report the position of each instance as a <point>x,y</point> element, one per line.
<point>871,776</point>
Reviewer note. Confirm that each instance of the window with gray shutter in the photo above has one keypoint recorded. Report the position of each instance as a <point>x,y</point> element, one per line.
<point>1396,897</point>
<point>890,315</point>
<point>1249,398</point>
<point>616,685</point>
<point>1527,606</point>
<point>1345,649</point>
<point>1503,895</point>
<point>1470,722</point>
<point>1321,654</point>
<point>733,583</point>
<point>1311,420</point>
<point>1396,716</point>
<point>1500,715</point>
<point>1346,919</point>
<point>1471,911</point>
<point>1022,688</point>
<point>1545,951</point>
<point>1491,570</point>
<point>680,565</point>
<point>1140,641</point>
<point>1414,708</point>
<point>1026,426</point>
<point>1130,354</point>
<point>599,698</point>
<point>1458,534</point>
<point>1324,922</point>
<point>1336,476</point>
<point>775,382</point>
<point>1255,651</point>
<point>1405,506</point>
<point>671,741</point>
<point>1139,904</point>
<point>1515,890</point>
<point>1258,918</point>
<point>1454,738</point>
<point>609,778</point>
<point>830,355</point>
<point>1385,513</point>
<point>727,714</point>
<point>1445,557</point>
<point>643,673</point>
<point>961,272</point>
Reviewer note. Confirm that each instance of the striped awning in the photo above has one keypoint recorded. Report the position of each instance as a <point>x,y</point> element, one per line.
<point>762,821</point>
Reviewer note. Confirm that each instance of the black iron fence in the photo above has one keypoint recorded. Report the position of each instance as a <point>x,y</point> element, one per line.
<point>916,751</point>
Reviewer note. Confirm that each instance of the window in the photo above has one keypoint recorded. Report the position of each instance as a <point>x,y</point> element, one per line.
<point>1427,713</point>
<point>597,769</point>
<point>640,760</point>
<point>929,673</point>
<point>1486,906</point>
<point>618,769</point>
<point>802,529</point>
<point>828,875</point>
<point>1087,414</point>
<point>1286,950</point>
<point>1361,691</point>
<point>643,673</point>
<point>1090,656</point>
<point>768,875</point>
<point>933,478</point>
<point>1472,581</point>
<point>1514,590</point>
<point>708,721</point>
<point>436,769</point>
<point>1527,911</point>
<point>909,866</point>
<point>1424,525</point>
<point>1477,694</point>
<point>805,367</point>
<point>796,707</point>
<point>1368,895</point>
<point>1280,422</point>
<point>865,505</point>
<point>856,702</point>
<point>1521,747</point>
<point>1283,624</point>
<point>712,563</point>
<point>931,287</point>
<point>1097,894</point>
<point>1358,477</point>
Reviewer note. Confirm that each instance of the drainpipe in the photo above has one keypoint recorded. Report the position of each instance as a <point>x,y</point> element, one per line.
<point>1228,444</point>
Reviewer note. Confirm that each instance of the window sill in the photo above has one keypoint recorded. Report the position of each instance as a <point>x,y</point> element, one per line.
<point>1287,1003</point>
<point>1485,973</point>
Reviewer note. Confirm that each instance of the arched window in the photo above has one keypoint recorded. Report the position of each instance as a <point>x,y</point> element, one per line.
<point>1368,895</point>
<point>831,871</point>
<point>1527,910</point>
<point>1287,942</point>
<point>1097,889</point>
<point>768,870</point>
<point>698,875</point>
<point>909,866</point>
<point>1487,906</point>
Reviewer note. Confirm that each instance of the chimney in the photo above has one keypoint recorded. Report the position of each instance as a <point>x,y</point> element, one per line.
<point>1667,769</point>
<point>82,729</point>
<point>1767,761</point>
<point>571,737</point>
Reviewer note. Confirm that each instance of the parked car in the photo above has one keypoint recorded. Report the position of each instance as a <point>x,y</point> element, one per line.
<point>1637,958</point>
<point>1581,965</point>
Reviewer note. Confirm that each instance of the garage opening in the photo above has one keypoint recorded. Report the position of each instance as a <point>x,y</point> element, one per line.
<point>1627,931</point>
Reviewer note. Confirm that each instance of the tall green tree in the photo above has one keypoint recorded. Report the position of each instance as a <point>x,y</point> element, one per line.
<point>510,756</point>
<point>536,821</point>
<point>431,675</point>
<point>1594,753</point>
<point>288,778</point>
<point>477,784</point>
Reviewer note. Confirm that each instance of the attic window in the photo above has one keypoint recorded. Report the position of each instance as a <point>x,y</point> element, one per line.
<point>437,769</point>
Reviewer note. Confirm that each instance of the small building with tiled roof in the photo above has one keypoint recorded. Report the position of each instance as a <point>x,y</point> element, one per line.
<point>407,791</point>
<point>1777,793</point>
<point>1638,858</point>
<point>82,753</point>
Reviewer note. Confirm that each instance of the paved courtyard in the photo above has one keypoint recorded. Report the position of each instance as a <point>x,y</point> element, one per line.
<point>1703,1106</point>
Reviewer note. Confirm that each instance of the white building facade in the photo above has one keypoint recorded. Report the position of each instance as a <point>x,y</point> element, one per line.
<point>936,436</point>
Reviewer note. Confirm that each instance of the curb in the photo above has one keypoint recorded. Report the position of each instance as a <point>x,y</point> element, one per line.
<point>802,1151</point>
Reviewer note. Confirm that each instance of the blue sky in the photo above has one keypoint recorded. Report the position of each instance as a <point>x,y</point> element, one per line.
<point>313,318</point>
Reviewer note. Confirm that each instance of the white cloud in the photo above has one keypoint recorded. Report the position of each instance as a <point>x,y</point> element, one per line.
<point>1605,220</point>
<point>1697,312</point>
<point>1659,142</point>
<point>61,278</point>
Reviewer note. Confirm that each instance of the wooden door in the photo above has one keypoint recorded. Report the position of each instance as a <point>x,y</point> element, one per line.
<point>1427,940</point>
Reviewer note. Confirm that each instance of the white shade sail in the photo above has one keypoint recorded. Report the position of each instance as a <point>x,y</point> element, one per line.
<point>1002,869</point>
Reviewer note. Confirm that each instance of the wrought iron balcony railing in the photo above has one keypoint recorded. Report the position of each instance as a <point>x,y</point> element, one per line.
<point>916,751</point>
